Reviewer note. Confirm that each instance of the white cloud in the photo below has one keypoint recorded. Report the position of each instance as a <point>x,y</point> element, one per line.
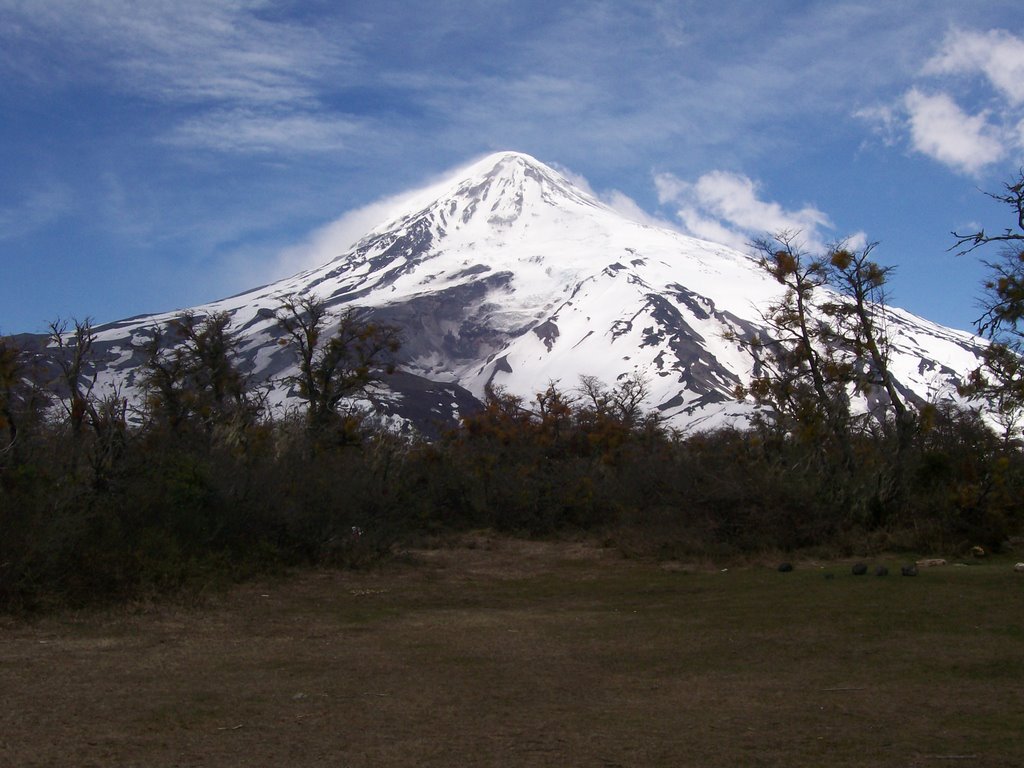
<point>727,208</point>
<point>996,54</point>
<point>933,119</point>
<point>669,187</point>
<point>699,225</point>
<point>940,129</point>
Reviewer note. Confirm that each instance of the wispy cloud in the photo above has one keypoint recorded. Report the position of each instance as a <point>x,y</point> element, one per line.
<point>255,131</point>
<point>223,60</point>
<point>933,118</point>
<point>42,206</point>
<point>637,76</point>
<point>191,51</point>
<point>334,238</point>
<point>728,208</point>
<point>642,80</point>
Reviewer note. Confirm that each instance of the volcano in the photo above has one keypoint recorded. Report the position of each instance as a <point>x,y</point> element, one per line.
<point>508,275</point>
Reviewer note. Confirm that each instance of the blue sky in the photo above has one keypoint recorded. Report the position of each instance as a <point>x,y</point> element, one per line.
<point>159,155</point>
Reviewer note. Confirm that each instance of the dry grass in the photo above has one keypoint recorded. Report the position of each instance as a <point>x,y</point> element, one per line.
<point>510,653</point>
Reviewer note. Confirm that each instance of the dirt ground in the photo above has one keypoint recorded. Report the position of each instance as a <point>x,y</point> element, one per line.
<point>496,652</point>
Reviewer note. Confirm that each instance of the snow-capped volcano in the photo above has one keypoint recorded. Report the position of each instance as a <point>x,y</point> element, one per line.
<point>509,274</point>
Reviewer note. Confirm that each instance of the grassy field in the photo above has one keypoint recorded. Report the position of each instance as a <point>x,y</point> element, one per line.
<point>512,653</point>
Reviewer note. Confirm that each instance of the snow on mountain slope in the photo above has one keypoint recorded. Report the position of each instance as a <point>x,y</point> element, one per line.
<point>510,275</point>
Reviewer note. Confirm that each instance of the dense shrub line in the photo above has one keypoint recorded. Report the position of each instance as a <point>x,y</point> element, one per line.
<point>175,509</point>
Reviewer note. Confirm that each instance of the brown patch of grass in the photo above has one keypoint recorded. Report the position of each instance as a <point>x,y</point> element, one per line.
<point>499,652</point>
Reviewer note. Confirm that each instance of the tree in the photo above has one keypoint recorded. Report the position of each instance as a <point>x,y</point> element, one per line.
<point>196,379</point>
<point>21,399</point>
<point>827,342</point>
<point>1000,378</point>
<point>337,365</point>
<point>102,418</point>
<point>163,382</point>
<point>75,349</point>
<point>859,328</point>
<point>803,377</point>
<point>1012,235</point>
<point>554,414</point>
<point>829,335</point>
<point>624,403</point>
